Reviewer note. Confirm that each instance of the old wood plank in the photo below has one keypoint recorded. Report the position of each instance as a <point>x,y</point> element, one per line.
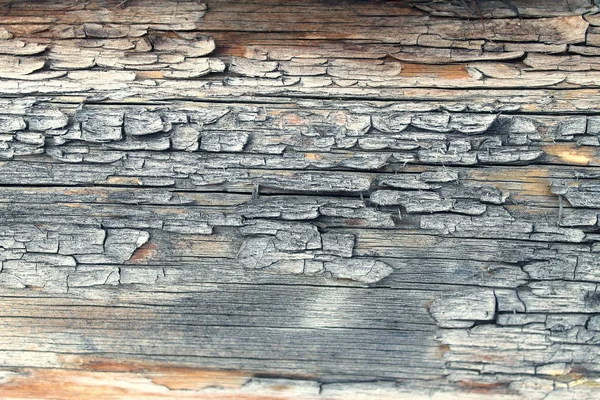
<point>251,199</point>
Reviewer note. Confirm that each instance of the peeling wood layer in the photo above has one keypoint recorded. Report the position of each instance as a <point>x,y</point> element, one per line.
<point>257,199</point>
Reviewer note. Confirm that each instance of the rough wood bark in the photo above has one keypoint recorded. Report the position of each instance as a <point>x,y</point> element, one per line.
<point>289,200</point>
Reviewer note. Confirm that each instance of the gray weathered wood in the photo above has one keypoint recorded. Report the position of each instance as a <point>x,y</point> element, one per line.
<point>287,200</point>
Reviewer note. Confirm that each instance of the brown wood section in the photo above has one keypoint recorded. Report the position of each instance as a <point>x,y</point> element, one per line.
<point>299,199</point>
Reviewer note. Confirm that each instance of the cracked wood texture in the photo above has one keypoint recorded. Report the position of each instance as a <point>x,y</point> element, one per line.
<point>300,199</point>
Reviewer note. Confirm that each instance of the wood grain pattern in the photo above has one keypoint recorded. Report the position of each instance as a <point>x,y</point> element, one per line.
<point>299,200</point>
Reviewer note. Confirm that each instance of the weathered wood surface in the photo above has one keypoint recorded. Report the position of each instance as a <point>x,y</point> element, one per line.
<point>300,199</point>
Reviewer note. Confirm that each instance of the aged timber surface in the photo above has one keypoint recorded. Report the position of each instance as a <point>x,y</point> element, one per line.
<point>300,199</point>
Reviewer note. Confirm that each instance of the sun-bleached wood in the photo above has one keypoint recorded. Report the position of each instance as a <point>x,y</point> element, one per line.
<point>300,200</point>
